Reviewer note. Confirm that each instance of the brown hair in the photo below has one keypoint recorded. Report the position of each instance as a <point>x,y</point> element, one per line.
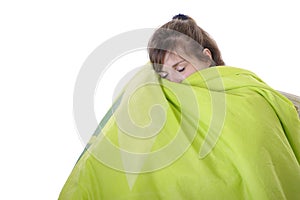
<point>167,37</point>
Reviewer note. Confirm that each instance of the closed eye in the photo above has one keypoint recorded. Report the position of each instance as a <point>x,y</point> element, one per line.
<point>180,68</point>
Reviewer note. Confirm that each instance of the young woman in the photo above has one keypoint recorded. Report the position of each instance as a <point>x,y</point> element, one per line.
<point>182,37</point>
<point>191,128</point>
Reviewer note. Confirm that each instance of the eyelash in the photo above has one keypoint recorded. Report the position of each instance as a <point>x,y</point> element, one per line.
<point>180,69</point>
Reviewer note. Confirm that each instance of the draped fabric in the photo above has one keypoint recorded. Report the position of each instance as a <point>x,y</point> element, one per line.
<point>220,134</point>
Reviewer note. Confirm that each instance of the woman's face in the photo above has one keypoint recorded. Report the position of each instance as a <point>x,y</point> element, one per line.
<point>176,69</point>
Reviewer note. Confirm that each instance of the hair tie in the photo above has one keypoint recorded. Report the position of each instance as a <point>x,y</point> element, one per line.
<point>181,17</point>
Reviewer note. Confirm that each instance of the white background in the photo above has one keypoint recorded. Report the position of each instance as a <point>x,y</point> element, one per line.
<point>43,45</point>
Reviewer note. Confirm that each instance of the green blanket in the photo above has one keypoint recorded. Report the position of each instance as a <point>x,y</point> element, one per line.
<point>221,134</point>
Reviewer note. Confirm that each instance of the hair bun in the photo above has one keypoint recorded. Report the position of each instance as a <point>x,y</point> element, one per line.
<point>181,17</point>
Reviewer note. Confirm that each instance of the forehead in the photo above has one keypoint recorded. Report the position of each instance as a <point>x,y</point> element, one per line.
<point>170,59</point>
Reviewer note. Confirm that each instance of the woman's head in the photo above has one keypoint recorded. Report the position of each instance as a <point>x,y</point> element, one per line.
<point>181,38</point>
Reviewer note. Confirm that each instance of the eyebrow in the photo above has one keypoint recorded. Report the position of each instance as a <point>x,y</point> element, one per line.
<point>178,63</point>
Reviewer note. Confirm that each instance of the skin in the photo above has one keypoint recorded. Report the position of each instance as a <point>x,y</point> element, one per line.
<point>176,68</point>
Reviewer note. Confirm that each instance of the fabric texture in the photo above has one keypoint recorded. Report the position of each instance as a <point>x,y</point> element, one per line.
<point>294,99</point>
<point>221,134</point>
